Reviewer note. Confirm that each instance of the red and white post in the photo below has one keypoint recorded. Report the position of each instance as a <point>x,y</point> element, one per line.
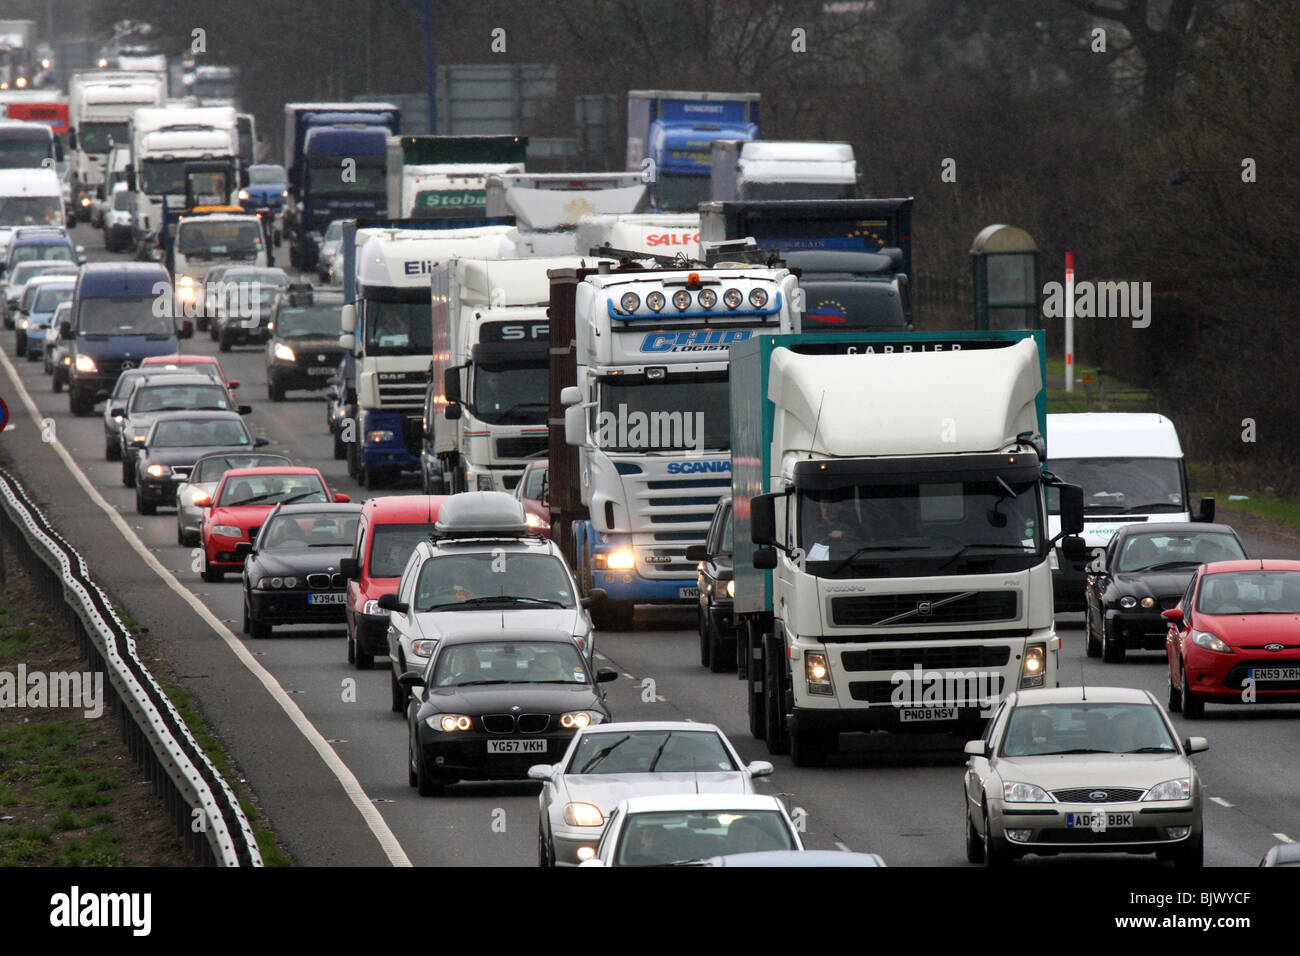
<point>1069,322</point>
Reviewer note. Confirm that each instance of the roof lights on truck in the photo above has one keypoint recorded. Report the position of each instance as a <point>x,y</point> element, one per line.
<point>630,302</point>
<point>708,298</point>
<point>732,298</point>
<point>758,297</point>
<point>655,301</point>
<point>682,300</point>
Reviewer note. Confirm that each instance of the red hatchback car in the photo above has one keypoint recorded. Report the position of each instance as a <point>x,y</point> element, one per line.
<point>534,493</point>
<point>208,365</point>
<point>240,504</point>
<point>1235,636</point>
<point>389,529</point>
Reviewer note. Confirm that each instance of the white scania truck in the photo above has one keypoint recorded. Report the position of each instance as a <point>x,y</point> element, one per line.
<point>891,545</point>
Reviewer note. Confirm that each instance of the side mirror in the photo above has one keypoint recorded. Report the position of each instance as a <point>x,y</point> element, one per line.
<point>575,425</point>
<point>65,327</point>
<point>117,411</point>
<point>1071,509</point>
<point>1074,549</point>
<point>261,442</point>
<point>411,679</point>
<point>245,409</point>
<point>350,568</point>
<point>453,412</point>
<point>976,748</point>
<point>347,341</point>
<point>349,318</point>
<point>203,499</point>
<point>570,395</point>
<point>606,674</point>
<point>389,602</point>
<point>451,383</point>
<point>541,771</point>
<point>697,552</point>
<point>759,768</point>
<point>139,443</point>
<point>342,499</point>
<point>597,596</point>
<point>186,330</point>
<point>762,520</point>
<point>765,559</point>
<point>1196,745</point>
<point>1174,614</point>
<point>1207,510</point>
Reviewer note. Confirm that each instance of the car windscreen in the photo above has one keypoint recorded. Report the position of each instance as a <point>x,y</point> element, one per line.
<point>122,315</point>
<point>48,297</point>
<point>1086,727</point>
<point>651,751</point>
<point>1250,592</point>
<point>308,530</point>
<point>181,433</point>
<point>296,322</point>
<point>162,398</point>
<point>391,546</point>
<point>1163,551</point>
<point>212,468</point>
<point>228,240</point>
<point>271,490</point>
<point>536,485</point>
<point>1121,485</point>
<point>206,369</point>
<point>449,581</point>
<point>44,251</point>
<point>655,839</point>
<point>516,661</point>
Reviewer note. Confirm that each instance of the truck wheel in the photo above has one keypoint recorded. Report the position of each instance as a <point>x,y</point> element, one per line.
<point>808,748</point>
<point>364,660</point>
<point>778,738</point>
<point>142,506</point>
<point>354,466</point>
<point>213,575</point>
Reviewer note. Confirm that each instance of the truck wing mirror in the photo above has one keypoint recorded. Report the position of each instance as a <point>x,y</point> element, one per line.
<point>575,425</point>
<point>453,413</point>
<point>1071,508</point>
<point>1207,510</point>
<point>765,559</point>
<point>570,395</point>
<point>1074,549</point>
<point>451,383</point>
<point>762,519</point>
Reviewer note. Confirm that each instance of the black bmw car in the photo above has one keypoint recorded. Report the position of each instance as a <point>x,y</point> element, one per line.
<point>292,573</point>
<point>493,702</point>
<point>175,441</point>
<point>1147,567</point>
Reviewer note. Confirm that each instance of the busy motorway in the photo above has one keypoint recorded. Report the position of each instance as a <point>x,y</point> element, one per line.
<point>898,796</point>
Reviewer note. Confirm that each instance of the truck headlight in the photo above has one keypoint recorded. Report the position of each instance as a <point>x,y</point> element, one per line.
<point>284,353</point>
<point>22,324</point>
<point>616,560</point>
<point>583,815</point>
<point>818,673</point>
<point>243,195</point>
<point>85,363</point>
<point>1034,669</point>
<point>484,482</point>
<point>731,588</point>
<point>379,436</point>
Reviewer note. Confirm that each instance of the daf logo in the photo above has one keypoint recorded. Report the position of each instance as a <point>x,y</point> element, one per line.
<point>1097,796</point>
<point>924,608</point>
<point>128,364</point>
<point>1273,647</point>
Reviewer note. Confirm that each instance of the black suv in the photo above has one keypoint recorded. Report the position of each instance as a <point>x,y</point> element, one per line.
<point>716,624</point>
<point>303,350</point>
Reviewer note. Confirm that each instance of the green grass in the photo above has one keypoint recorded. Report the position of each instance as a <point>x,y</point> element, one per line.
<point>1109,395</point>
<point>1282,510</point>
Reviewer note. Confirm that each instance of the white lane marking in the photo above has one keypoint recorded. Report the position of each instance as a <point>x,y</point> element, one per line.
<point>351,786</point>
<point>841,846</point>
<point>1282,838</point>
<point>1221,802</point>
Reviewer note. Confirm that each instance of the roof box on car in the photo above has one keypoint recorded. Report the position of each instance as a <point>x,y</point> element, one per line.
<point>481,514</point>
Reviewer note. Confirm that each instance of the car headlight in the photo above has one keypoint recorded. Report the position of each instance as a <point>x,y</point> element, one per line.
<point>1128,601</point>
<point>1024,793</point>
<point>533,521</point>
<point>423,647</point>
<point>758,298</point>
<point>22,324</point>
<point>379,435</point>
<point>85,363</point>
<point>266,584</point>
<point>243,194</point>
<point>731,588</point>
<point>284,353</point>
<point>583,815</point>
<point>818,673</point>
<point>448,723</point>
<point>227,531</point>
<point>373,608</point>
<point>1180,789</point>
<point>579,718</point>
<point>1210,642</point>
<point>157,471</point>
<point>1148,602</point>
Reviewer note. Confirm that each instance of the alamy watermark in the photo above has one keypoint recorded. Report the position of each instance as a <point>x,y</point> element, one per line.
<point>61,689</point>
<point>937,689</point>
<point>1102,300</point>
<point>638,429</point>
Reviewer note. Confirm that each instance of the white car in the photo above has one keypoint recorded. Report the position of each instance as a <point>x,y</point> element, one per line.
<point>607,763</point>
<point>689,828</point>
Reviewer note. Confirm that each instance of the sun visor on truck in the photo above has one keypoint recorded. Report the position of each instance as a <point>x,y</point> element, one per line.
<point>507,353</point>
<point>826,474</point>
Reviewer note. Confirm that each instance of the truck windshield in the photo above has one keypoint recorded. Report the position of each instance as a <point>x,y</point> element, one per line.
<point>122,315</point>
<point>798,190</point>
<point>26,153</point>
<point>167,177</point>
<point>30,210</point>
<point>1114,486</point>
<point>674,413</point>
<point>214,89</point>
<point>328,179</point>
<point>511,394</point>
<point>913,529</point>
<point>227,240</point>
<point>397,328</point>
<point>678,193</point>
<point>100,137</point>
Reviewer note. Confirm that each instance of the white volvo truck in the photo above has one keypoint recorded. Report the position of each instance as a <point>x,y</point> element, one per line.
<point>891,545</point>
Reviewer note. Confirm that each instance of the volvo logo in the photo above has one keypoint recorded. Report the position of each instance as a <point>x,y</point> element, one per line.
<point>925,608</point>
<point>1273,647</point>
<point>1097,796</point>
<point>515,707</point>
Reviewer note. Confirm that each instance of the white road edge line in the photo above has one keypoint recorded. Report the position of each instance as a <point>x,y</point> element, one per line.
<point>351,786</point>
<point>1221,802</point>
<point>1282,838</point>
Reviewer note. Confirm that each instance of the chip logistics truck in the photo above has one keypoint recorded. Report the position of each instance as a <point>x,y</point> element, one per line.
<point>891,535</point>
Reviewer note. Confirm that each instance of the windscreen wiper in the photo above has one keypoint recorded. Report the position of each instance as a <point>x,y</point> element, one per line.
<point>978,544</point>
<point>604,752</point>
<point>659,752</point>
<point>870,547</point>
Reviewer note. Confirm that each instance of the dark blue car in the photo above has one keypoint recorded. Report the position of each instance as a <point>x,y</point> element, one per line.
<point>121,314</point>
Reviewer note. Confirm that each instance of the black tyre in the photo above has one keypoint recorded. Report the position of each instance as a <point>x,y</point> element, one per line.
<point>259,630</point>
<point>996,854</point>
<point>426,783</point>
<point>78,404</point>
<point>112,451</point>
<point>340,450</point>
<point>1112,648</point>
<point>223,342</point>
<point>974,845</point>
<point>143,507</point>
<point>363,659</point>
<point>778,738</point>
<point>352,650</point>
<point>543,849</point>
<point>1193,707</point>
<point>274,390</point>
<point>720,661</point>
<point>213,575</point>
<point>613,615</point>
<point>1175,696</point>
<point>702,626</point>
<point>128,473</point>
<point>1093,645</point>
<point>180,535</point>
<point>398,693</point>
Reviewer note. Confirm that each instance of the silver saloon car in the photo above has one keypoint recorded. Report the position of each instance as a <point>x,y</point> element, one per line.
<point>203,481</point>
<point>1083,770</point>
<point>607,763</point>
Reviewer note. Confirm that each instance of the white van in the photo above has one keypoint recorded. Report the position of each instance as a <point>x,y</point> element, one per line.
<point>208,240</point>
<point>1130,467</point>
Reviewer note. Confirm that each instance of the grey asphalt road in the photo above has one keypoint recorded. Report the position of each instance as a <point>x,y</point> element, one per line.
<point>898,796</point>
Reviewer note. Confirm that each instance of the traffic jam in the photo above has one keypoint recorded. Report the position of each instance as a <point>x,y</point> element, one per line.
<point>643,511</point>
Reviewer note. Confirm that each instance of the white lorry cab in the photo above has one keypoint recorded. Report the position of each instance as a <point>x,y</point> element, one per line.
<point>1130,467</point>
